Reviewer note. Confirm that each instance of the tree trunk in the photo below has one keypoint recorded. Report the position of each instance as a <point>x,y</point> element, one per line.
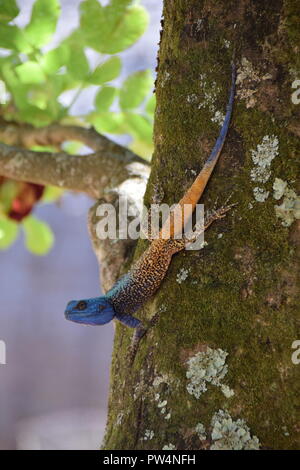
<point>216,372</point>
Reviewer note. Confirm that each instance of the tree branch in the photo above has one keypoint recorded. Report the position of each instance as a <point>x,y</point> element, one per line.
<point>111,254</point>
<point>95,174</point>
<point>25,135</point>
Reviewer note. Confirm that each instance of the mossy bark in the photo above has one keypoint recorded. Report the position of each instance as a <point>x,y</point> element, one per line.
<point>240,294</point>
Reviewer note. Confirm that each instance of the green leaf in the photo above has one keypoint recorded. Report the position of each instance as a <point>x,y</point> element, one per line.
<point>9,35</point>
<point>39,101</point>
<point>43,148</point>
<point>135,89</point>
<point>8,232</point>
<point>36,116</point>
<point>119,4</point>
<point>63,82</point>
<point>111,123</point>
<point>150,106</point>
<point>106,72</point>
<point>72,146</point>
<point>78,65</point>
<point>30,73</point>
<point>8,191</point>
<point>56,58</point>
<point>43,22</point>
<point>38,96</point>
<point>140,127</point>
<point>8,10</point>
<point>51,194</point>
<point>39,238</point>
<point>128,29</point>
<point>16,88</point>
<point>35,105</point>
<point>112,28</point>
<point>92,21</point>
<point>142,148</point>
<point>105,97</point>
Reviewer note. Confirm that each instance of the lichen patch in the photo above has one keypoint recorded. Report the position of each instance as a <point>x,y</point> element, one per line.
<point>169,447</point>
<point>262,158</point>
<point>182,275</point>
<point>229,434</point>
<point>246,81</point>
<point>289,209</point>
<point>148,436</point>
<point>207,367</point>
<point>200,430</point>
<point>218,118</point>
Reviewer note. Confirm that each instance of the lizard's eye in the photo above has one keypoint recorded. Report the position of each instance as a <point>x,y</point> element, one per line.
<point>81,305</point>
<point>101,307</point>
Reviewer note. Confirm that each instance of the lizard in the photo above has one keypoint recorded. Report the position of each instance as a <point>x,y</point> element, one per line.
<point>140,283</point>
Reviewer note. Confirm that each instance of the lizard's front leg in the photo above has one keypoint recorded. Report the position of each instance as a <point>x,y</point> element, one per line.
<point>139,333</point>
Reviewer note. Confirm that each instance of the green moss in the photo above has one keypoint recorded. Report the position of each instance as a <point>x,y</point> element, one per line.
<point>292,13</point>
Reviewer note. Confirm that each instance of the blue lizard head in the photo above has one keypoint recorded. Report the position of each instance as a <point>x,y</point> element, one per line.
<point>95,311</point>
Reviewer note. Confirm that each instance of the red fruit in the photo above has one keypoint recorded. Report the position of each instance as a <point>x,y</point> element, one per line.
<point>22,205</point>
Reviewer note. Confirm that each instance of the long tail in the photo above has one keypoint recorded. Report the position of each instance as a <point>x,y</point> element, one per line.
<point>194,193</point>
<point>186,205</point>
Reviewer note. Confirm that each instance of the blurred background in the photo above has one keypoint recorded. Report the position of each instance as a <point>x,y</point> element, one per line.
<point>54,387</point>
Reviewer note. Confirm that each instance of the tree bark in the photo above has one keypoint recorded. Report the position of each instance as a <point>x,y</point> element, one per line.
<point>216,371</point>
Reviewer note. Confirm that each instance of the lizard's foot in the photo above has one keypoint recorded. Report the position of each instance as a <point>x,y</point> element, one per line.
<point>224,205</point>
<point>217,214</point>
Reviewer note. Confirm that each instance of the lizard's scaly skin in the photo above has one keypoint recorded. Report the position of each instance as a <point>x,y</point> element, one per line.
<point>133,289</point>
<point>145,277</point>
